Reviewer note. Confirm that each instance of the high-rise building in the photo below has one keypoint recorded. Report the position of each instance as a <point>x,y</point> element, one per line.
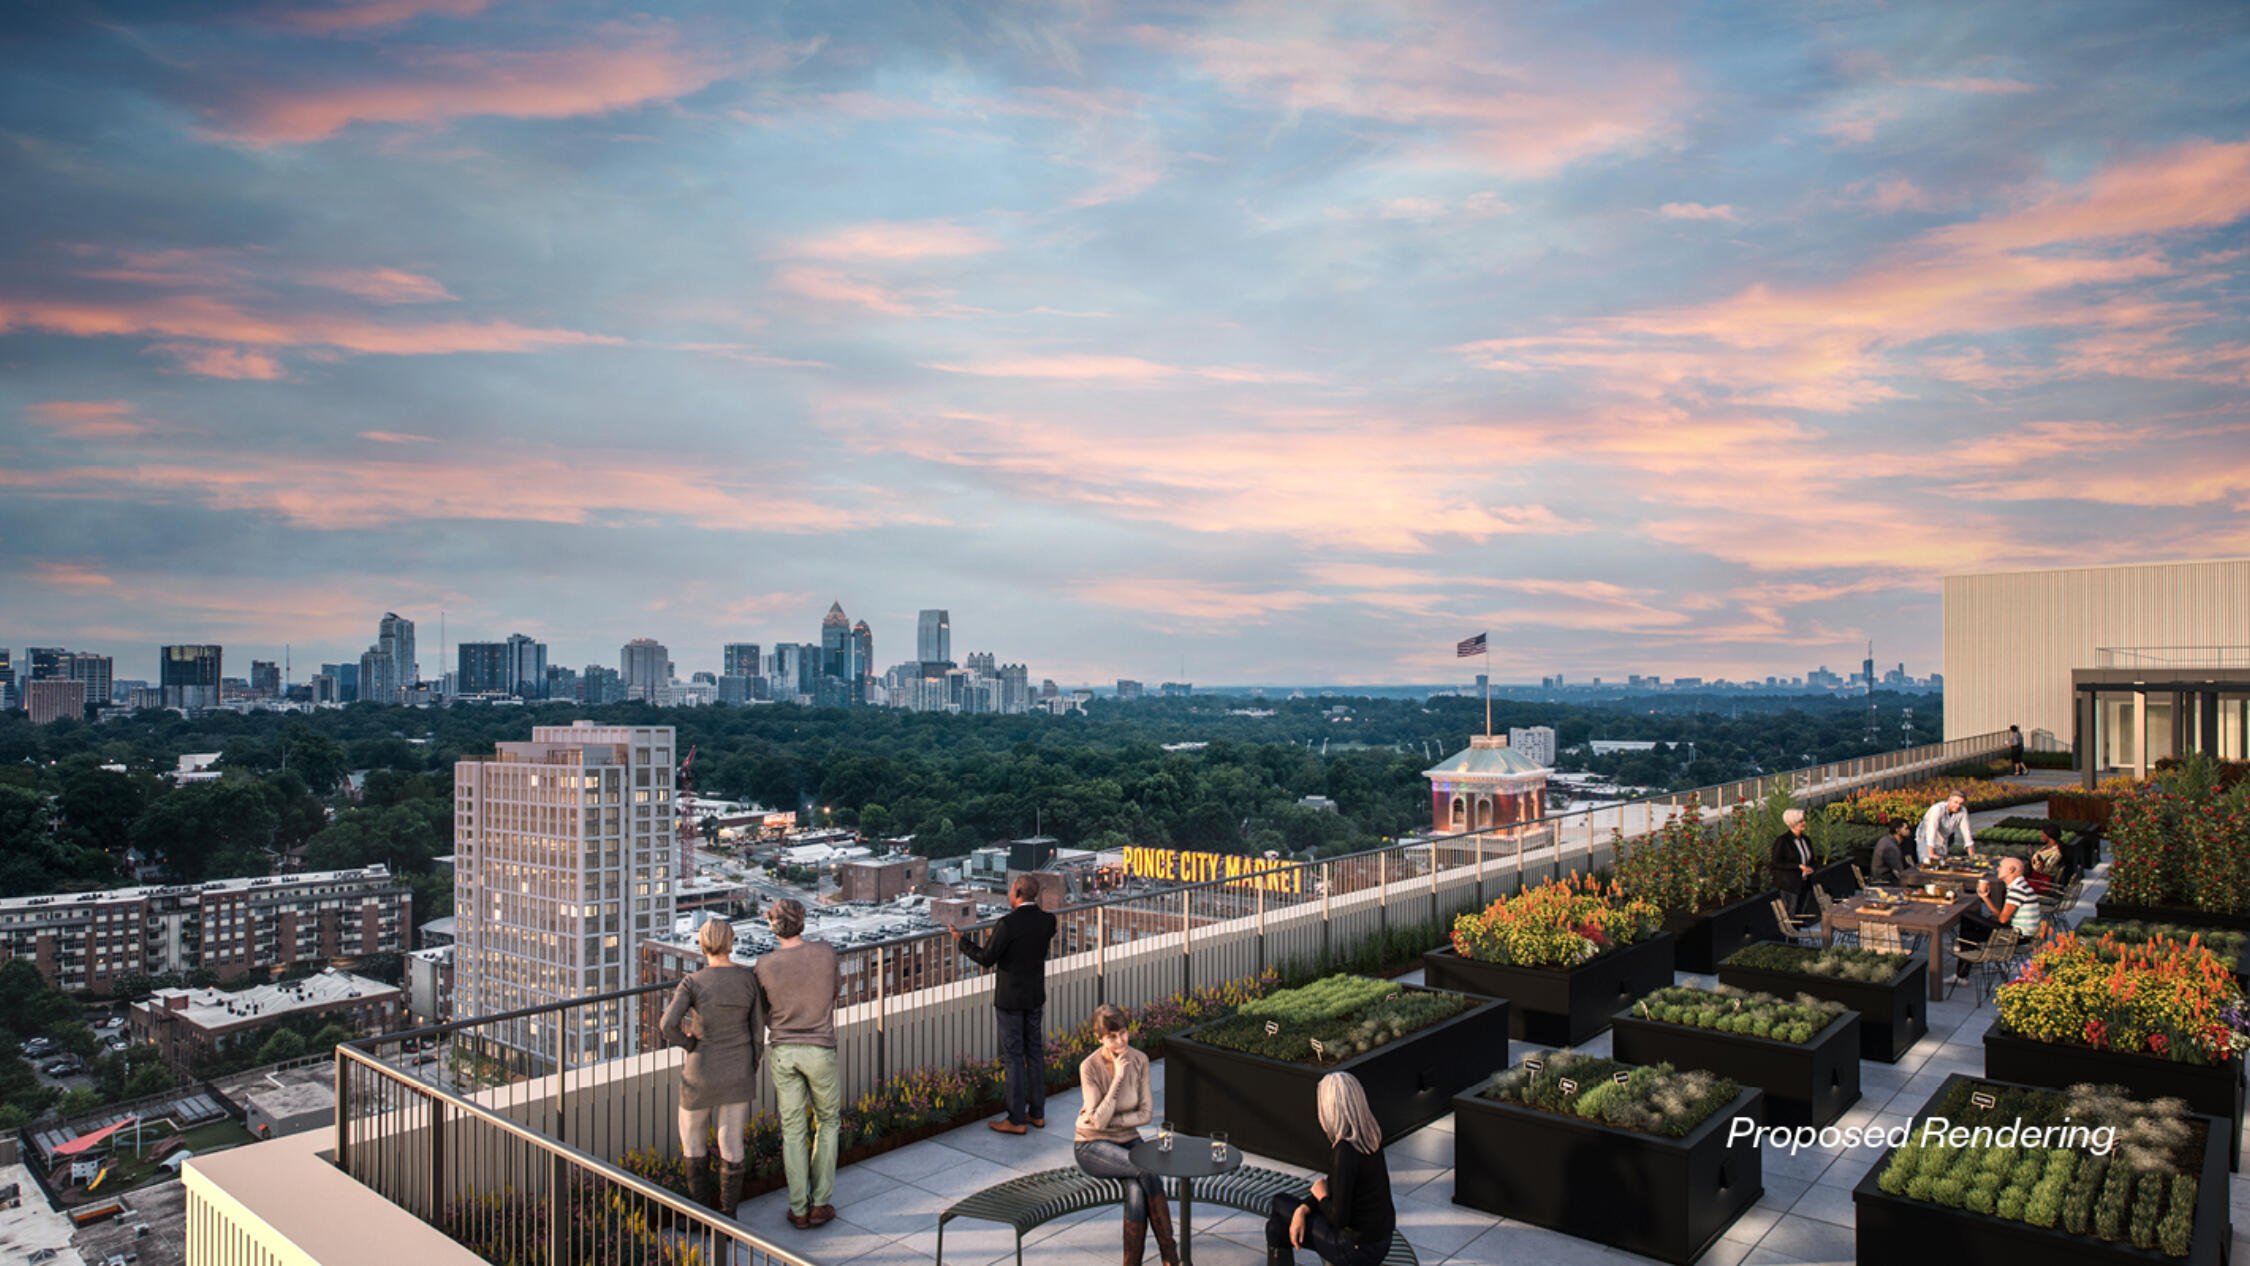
<point>601,684</point>
<point>189,674</point>
<point>835,642</point>
<point>347,680</point>
<point>378,676</point>
<point>1015,688</point>
<point>395,638</point>
<point>483,668</point>
<point>1127,688</point>
<point>46,662</point>
<point>97,671</point>
<point>7,678</point>
<point>862,660</point>
<point>1536,742</point>
<point>265,678</point>
<point>54,699</point>
<point>564,851</point>
<point>646,665</point>
<point>527,660</point>
<point>740,659</point>
<point>933,637</point>
<point>562,682</point>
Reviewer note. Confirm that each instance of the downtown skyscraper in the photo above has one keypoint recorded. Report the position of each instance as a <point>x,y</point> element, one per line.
<point>933,637</point>
<point>564,850</point>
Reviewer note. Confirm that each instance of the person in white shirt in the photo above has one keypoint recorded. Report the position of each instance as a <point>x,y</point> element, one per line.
<point>1946,822</point>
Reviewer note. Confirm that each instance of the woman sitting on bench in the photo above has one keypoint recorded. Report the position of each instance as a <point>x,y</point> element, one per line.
<point>1115,1098</point>
<point>1349,1219</point>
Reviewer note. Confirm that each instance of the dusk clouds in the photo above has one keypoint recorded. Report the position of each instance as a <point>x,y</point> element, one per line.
<point>1295,340</point>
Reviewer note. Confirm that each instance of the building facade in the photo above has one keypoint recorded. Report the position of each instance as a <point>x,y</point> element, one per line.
<point>97,671</point>
<point>51,701</point>
<point>2124,665</point>
<point>1535,741</point>
<point>933,636</point>
<point>394,637</point>
<point>646,666</point>
<point>189,675</point>
<point>189,1025</point>
<point>1485,785</point>
<point>234,928</point>
<point>564,850</point>
<point>741,659</point>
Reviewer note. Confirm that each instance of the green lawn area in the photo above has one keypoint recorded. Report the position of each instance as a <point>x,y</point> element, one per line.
<point>130,1171</point>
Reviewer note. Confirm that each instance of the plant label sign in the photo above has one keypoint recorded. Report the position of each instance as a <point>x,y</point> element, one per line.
<point>1983,1100</point>
<point>1317,1049</point>
<point>1534,1066</point>
<point>1272,1027</point>
<point>1569,1087</point>
<point>1621,1076</point>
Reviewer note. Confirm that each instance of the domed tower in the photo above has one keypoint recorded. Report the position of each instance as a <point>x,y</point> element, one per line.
<point>1487,784</point>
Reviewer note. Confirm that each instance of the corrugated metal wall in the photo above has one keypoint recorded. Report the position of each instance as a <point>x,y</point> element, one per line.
<point>2012,638</point>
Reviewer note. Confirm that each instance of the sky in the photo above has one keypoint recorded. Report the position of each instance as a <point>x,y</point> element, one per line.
<point>1259,342</point>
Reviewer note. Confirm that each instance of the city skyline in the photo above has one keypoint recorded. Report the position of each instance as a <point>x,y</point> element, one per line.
<point>1294,342</point>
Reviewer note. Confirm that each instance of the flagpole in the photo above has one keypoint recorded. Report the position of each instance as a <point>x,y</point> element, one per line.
<point>1488,689</point>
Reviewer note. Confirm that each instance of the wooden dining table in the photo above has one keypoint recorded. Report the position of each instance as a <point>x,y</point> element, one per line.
<point>1954,880</point>
<point>1932,919</point>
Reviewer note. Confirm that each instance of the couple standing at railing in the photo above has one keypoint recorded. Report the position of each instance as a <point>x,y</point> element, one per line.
<point>731,1018</point>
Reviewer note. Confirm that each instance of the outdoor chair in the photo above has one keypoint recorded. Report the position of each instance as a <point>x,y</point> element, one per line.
<point>1886,938</point>
<point>1797,932</point>
<point>1991,959</point>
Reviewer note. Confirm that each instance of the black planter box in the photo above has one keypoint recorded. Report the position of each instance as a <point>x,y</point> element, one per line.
<point>1666,1198</point>
<point>1895,1229</point>
<point>2215,1090</point>
<point>1266,1105</point>
<point>1707,937</point>
<point>2166,914</point>
<point>1557,1006</point>
<point>1810,1084</point>
<point>1836,880</point>
<point>1893,1016</point>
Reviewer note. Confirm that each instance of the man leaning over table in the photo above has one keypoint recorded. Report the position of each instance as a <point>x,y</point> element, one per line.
<point>1946,822</point>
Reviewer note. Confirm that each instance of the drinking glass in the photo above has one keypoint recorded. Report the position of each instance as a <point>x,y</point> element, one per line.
<point>1218,1147</point>
<point>1164,1137</point>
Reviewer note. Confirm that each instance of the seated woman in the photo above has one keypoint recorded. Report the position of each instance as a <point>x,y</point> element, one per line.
<point>1114,1098</point>
<point>1349,1219</point>
<point>2048,870</point>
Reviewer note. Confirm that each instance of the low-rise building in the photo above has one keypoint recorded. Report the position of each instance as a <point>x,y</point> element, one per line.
<point>429,985</point>
<point>187,1024</point>
<point>275,1111</point>
<point>881,879</point>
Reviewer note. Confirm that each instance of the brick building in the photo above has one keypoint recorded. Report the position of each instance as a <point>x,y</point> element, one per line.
<point>881,879</point>
<point>186,1024</point>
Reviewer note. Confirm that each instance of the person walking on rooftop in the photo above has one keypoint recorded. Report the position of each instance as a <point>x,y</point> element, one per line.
<point>718,1016</point>
<point>2015,750</point>
<point>1017,951</point>
<point>1946,824</point>
<point>798,980</point>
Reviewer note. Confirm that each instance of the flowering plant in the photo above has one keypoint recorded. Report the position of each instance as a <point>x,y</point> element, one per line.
<point>2172,999</point>
<point>1687,865</point>
<point>2182,842</point>
<point>1879,806</point>
<point>1560,923</point>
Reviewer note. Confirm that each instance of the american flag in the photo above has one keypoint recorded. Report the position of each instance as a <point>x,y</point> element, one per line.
<point>1470,646</point>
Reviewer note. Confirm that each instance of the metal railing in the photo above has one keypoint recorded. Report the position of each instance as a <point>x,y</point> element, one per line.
<point>501,1130</point>
<point>2172,657</point>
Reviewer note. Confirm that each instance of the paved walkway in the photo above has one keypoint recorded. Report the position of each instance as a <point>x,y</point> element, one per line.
<point>889,1205</point>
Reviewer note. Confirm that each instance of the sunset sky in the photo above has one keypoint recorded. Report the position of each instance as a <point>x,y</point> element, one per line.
<point>1292,342</point>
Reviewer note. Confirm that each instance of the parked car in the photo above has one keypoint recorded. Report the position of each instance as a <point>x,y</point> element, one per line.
<point>64,1068</point>
<point>38,1047</point>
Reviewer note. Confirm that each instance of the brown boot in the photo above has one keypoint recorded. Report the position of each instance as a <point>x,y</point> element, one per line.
<point>1136,1241</point>
<point>730,1188</point>
<point>703,1181</point>
<point>1160,1221</point>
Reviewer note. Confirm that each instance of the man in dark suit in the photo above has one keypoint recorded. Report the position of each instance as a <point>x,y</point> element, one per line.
<point>1791,864</point>
<point>1017,951</point>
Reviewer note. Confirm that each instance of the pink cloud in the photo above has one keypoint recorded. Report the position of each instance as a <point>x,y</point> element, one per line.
<point>88,419</point>
<point>76,577</point>
<point>1696,211</point>
<point>360,15</point>
<point>1100,367</point>
<point>823,285</point>
<point>431,87</point>
<point>221,362</point>
<point>894,241</point>
<point>380,285</point>
<point>1194,601</point>
<point>396,437</point>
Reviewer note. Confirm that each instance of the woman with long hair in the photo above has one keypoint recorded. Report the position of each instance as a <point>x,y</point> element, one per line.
<point>1349,1219</point>
<point>716,1014</point>
<point>1115,1098</point>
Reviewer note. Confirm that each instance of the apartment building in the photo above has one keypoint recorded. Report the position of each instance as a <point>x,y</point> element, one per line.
<point>187,1024</point>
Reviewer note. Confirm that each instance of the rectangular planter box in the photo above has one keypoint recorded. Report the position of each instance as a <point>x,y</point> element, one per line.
<point>2166,914</point>
<point>2214,1090</point>
<point>1558,1006</point>
<point>1893,1016</point>
<point>1836,880</point>
<point>1666,1198</point>
<point>1266,1105</point>
<point>1895,1229</point>
<point>1706,938</point>
<point>1805,1085</point>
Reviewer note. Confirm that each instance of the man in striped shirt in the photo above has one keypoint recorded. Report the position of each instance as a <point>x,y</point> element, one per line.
<point>2014,905</point>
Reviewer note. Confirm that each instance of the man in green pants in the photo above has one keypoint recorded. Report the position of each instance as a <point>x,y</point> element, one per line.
<point>799,981</point>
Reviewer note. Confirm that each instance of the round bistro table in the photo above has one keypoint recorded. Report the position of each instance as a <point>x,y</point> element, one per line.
<point>1189,1159</point>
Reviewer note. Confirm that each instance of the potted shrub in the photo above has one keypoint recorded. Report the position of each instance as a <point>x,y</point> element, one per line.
<point>2156,1194</point>
<point>1804,1054</point>
<point>1633,1157</point>
<point>2161,1018</point>
<point>1888,991</point>
<point>1565,955</point>
<point>1710,884</point>
<point>1254,1074</point>
<point>2180,852</point>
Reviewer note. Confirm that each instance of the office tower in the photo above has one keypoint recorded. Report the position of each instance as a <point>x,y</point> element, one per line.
<point>378,676</point>
<point>347,680</point>
<point>54,699</point>
<point>791,673</point>
<point>7,678</point>
<point>563,848</point>
<point>835,641</point>
<point>189,674</point>
<point>740,659</point>
<point>980,663</point>
<point>395,638</point>
<point>601,684</point>
<point>46,662</point>
<point>646,666</point>
<point>97,671</point>
<point>483,668</point>
<point>265,678</point>
<point>863,660</point>
<point>933,637</point>
<point>1536,742</point>
<point>1127,688</point>
<point>528,663</point>
<point>562,682</point>
<point>1015,688</point>
<point>322,688</point>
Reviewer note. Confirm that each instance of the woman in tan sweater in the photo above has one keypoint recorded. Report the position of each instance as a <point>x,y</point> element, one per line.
<point>1115,1098</point>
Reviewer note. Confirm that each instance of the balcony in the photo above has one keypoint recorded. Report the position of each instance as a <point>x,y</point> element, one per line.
<point>500,1141</point>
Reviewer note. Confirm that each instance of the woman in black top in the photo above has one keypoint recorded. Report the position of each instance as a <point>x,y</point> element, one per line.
<point>1349,1219</point>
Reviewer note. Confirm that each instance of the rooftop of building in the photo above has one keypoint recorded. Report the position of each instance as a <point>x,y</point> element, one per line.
<point>146,892</point>
<point>1487,756</point>
<point>292,1099</point>
<point>214,1008</point>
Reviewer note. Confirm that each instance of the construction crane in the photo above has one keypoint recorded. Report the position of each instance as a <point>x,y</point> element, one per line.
<point>689,832</point>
